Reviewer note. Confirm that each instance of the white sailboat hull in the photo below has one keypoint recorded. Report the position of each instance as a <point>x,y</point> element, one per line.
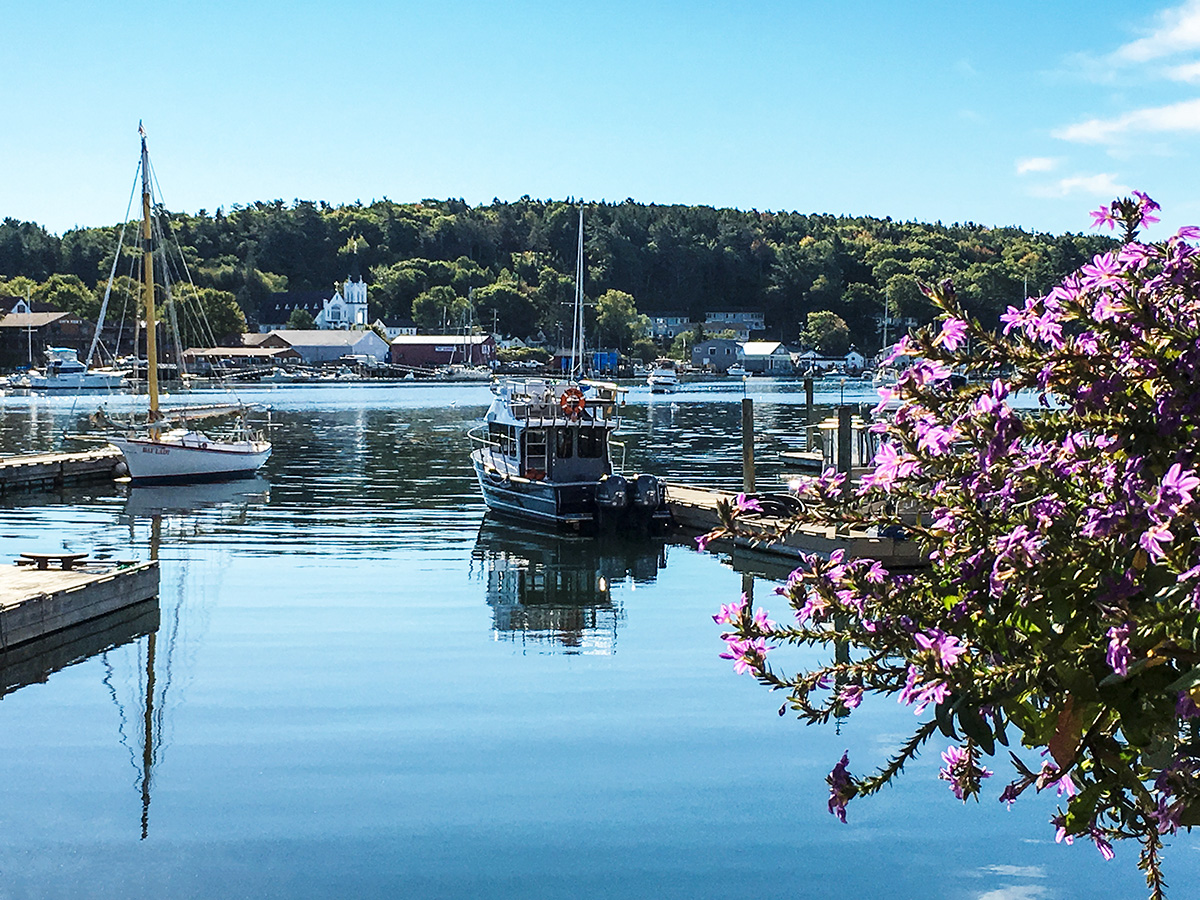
<point>167,460</point>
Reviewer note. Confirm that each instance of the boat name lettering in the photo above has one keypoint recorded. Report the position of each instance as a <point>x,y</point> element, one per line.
<point>160,450</point>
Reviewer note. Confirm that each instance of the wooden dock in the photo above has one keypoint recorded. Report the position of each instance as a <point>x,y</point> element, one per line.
<point>695,509</point>
<point>54,470</point>
<point>37,602</point>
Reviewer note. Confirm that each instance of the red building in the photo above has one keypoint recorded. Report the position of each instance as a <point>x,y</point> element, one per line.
<point>427,351</point>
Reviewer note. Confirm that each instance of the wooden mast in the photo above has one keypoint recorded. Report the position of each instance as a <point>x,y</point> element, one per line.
<point>148,275</point>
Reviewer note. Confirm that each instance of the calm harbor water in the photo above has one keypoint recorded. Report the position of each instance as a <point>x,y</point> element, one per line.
<point>358,685</point>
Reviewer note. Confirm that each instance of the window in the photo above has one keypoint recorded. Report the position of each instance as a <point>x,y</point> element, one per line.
<point>563,443</point>
<point>591,443</point>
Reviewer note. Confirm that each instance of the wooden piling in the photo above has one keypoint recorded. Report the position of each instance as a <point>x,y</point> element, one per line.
<point>748,445</point>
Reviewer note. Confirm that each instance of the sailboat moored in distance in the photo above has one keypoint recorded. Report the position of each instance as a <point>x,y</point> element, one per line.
<point>166,447</point>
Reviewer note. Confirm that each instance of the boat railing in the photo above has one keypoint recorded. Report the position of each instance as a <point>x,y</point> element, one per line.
<point>620,445</point>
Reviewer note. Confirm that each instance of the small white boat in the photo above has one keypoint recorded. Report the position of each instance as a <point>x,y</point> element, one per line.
<point>737,370</point>
<point>65,372</point>
<point>664,377</point>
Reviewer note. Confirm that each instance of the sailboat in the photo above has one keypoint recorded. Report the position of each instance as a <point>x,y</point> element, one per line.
<point>168,448</point>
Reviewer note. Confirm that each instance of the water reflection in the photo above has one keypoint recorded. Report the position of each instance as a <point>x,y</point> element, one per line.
<point>557,589</point>
<point>157,500</point>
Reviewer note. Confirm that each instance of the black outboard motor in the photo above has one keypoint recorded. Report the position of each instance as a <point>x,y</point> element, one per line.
<point>612,499</point>
<point>647,493</point>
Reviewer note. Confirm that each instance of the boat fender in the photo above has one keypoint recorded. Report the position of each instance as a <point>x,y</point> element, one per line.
<point>204,445</point>
<point>572,402</point>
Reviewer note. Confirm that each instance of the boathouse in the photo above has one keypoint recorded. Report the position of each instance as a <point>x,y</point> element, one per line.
<point>26,330</point>
<point>427,351</point>
<point>766,357</point>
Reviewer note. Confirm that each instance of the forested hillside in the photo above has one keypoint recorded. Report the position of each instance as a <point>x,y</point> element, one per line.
<point>519,258</point>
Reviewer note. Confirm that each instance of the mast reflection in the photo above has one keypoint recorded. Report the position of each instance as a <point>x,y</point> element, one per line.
<point>556,590</point>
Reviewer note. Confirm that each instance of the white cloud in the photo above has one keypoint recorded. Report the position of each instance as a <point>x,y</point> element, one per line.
<point>1022,892</point>
<point>1177,117</point>
<point>1103,185</point>
<point>1189,72</point>
<point>1037,164</point>
<point>1017,871</point>
<point>1177,30</point>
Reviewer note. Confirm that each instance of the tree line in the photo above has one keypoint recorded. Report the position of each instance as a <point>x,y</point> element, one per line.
<point>510,265</point>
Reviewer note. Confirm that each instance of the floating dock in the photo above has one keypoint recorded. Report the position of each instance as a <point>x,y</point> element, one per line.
<point>54,470</point>
<point>38,602</point>
<point>695,509</point>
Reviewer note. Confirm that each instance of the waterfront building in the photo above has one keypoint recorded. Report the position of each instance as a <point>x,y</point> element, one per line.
<point>715,354</point>
<point>319,346</point>
<point>432,350</point>
<point>766,357</point>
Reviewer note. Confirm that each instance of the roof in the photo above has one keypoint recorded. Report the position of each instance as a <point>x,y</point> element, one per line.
<point>423,339</point>
<point>238,352</point>
<point>322,337</point>
<point>278,308</point>
<point>762,348</point>
<point>34,320</point>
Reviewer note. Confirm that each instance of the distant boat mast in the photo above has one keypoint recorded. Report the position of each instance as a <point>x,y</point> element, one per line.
<point>577,364</point>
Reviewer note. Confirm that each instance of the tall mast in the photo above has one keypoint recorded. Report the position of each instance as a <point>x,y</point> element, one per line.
<point>148,275</point>
<point>577,363</point>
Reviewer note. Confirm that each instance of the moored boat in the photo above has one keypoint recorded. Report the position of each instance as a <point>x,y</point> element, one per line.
<point>65,372</point>
<point>544,454</point>
<point>664,377</point>
<point>166,448</point>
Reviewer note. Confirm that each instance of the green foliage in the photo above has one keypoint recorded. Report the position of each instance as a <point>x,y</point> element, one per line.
<point>671,258</point>
<point>827,333</point>
<point>440,309</point>
<point>618,323</point>
<point>208,317</point>
<point>301,320</point>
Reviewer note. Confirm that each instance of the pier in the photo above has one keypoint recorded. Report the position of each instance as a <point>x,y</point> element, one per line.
<point>54,470</point>
<point>695,509</point>
<point>36,602</point>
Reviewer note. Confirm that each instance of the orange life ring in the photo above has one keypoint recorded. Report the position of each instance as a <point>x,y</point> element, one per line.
<point>572,402</point>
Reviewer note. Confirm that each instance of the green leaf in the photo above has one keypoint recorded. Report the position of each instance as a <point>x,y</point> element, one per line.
<point>976,728</point>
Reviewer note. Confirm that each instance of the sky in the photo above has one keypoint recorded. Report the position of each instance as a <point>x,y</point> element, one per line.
<point>1021,113</point>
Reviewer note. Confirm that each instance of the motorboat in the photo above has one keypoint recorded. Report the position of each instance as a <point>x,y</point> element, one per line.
<point>65,372</point>
<point>664,377</point>
<point>544,454</point>
<point>737,370</point>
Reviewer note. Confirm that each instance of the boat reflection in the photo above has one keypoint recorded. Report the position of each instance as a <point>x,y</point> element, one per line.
<point>557,589</point>
<point>165,499</point>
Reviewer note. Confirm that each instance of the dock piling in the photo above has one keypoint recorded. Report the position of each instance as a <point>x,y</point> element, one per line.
<point>748,445</point>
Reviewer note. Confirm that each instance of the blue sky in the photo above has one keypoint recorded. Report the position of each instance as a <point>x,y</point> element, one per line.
<point>1021,113</point>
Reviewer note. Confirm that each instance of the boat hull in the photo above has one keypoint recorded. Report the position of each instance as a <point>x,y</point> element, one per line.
<point>570,504</point>
<point>161,462</point>
<point>91,381</point>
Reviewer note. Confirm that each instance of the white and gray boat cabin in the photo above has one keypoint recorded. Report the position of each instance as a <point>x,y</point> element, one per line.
<point>544,453</point>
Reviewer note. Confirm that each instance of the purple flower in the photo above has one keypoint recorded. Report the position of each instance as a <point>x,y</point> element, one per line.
<point>1185,706</point>
<point>729,613</point>
<point>1153,539</point>
<point>744,503</point>
<point>1103,216</point>
<point>963,773</point>
<point>703,541</point>
<point>850,696</point>
<point>1119,655</point>
<point>1175,492</point>
<point>954,334</point>
<point>945,647</point>
<point>841,787</point>
<point>746,655</point>
<point>760,618</point>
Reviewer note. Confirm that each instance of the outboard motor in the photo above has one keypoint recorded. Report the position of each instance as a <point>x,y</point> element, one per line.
<point>612,499</point>
<point>612,493</point>
<point>647,493</point>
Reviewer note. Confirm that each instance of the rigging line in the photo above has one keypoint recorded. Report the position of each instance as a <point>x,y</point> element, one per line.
<point>113,272</point>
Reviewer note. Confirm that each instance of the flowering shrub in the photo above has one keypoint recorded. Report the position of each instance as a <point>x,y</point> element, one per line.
<point>1060,609</point>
